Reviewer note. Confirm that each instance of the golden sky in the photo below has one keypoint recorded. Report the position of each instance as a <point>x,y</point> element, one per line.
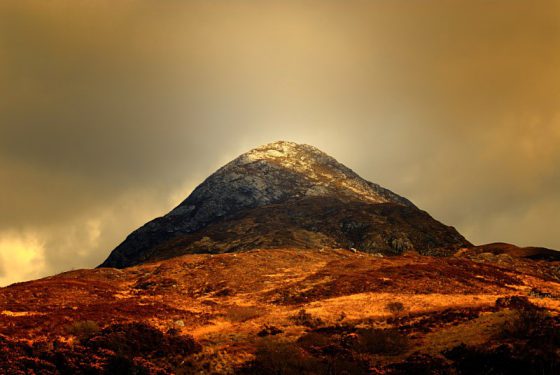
<point>111,112</point>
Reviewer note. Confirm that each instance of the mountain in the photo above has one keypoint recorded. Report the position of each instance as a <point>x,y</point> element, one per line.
<point>285,194</point>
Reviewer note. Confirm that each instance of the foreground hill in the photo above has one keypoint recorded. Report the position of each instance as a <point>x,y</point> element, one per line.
<point>287,195</point>
<point>289,311</point>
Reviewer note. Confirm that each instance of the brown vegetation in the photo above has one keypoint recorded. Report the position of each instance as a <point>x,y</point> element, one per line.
<point>243,313</point>
<point>322,312</point>
<point>123,348</point>
<point>395,307</point>
<point>381,341</point>
<point>83,329</point>
<point>303,318</point>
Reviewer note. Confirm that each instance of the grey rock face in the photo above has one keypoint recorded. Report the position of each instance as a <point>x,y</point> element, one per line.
<point>270,174</point>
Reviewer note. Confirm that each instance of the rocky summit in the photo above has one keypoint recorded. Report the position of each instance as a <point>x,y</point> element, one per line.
<point>285,194</point>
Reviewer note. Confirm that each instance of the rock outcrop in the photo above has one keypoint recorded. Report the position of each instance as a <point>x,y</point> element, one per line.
<point>287,195</point>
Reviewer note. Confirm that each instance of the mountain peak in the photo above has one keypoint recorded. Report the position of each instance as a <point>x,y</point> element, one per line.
<point>290,155</point>
<point>301,158</point>
<point>276,181</point>
<point>285,148</point>
<point>283,151</point>
<point>309,171</point>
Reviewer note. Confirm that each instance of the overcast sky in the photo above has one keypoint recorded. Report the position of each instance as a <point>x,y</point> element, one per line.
<point>111,114</point>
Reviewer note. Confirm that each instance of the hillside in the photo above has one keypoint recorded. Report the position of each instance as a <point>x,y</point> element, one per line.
<point>308,310</point>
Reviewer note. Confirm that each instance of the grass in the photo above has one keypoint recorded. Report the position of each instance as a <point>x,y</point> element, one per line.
<point>83,329</point>
<point>395,308</point>
<point>381,341</point>
<point>279,357</point>
<point>239,314</point>
<point>303,318</point>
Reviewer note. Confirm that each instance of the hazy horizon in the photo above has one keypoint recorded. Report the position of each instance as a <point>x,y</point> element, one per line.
<point>110,114</point>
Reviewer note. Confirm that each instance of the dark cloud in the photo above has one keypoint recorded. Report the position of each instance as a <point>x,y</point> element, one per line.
<point>111,113</point>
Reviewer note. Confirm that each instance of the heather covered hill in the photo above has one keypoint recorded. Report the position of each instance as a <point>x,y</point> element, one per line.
<point>303,311</point>
<point>287,194</point>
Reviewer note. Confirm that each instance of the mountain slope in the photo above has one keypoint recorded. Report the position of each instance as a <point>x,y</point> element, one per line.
<point>287,194</point>
<point>217,313</point>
